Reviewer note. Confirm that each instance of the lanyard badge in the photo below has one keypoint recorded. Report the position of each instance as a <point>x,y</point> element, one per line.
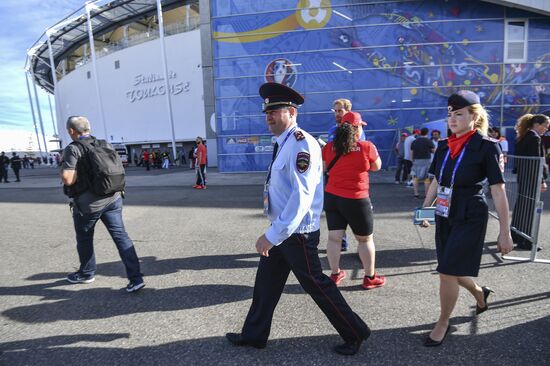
<point>445,194</point>
<point>443,201</point>
<point>266,199</point>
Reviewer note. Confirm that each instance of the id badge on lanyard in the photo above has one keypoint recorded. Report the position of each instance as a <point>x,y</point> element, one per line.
<point>443,201</point>
<point>445,194</point>
<point>266,199</point>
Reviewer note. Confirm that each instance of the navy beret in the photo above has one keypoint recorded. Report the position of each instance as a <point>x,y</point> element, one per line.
<point>278,96</point>
<point>461,99</point>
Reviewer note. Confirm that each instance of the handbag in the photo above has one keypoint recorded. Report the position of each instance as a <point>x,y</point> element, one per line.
<point>329,167</point>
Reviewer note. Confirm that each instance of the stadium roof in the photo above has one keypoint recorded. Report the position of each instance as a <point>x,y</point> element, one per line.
<point>71,32</point>
<point>536,6</point>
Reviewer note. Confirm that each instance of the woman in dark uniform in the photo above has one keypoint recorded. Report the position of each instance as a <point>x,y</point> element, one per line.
<point>529,129</point>
<point>460,164</point>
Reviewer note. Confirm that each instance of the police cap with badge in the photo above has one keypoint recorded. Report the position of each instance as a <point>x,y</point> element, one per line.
<point>462,99</point>
<point>278,96</point>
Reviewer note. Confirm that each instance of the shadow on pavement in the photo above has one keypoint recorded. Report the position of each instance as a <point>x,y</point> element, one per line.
<point>152,266</point>
<point>164,196</point>
<point>398,346</point>
<point>100,303</point>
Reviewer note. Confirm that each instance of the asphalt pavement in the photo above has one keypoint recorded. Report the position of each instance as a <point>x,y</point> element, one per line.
<point>197,254</point>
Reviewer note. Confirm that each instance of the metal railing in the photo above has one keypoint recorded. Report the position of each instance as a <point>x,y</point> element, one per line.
<point>523,175</point>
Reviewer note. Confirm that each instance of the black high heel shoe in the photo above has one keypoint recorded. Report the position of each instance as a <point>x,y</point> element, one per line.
<point>429,342</point>
<point>486,292</point>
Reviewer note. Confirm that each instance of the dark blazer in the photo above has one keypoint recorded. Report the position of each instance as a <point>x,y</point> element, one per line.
<point>531,145</point>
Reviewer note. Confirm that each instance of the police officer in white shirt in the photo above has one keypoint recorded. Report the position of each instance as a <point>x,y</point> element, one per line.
<point>293,201</point>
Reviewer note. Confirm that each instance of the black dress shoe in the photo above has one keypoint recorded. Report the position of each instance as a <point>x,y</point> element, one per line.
<point>486,292</point>
<point>237,340</point>
<point>429,342</point>
<point>351,348</point>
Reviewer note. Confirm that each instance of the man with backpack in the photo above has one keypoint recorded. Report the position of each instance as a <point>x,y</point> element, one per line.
<point>93,177</point>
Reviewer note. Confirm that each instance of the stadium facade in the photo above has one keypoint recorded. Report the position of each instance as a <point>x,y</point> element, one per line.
<point>396,60</point>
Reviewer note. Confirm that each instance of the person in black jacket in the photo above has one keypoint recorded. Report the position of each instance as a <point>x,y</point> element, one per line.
<point>15,163</point>
<point>4,164</point>
<point>529,129</point>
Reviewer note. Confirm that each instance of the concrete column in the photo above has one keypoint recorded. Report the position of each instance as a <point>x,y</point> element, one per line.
<point>89,7</point>
<point>32,111</point>
<point>166,81</point>
<point>39,115</point>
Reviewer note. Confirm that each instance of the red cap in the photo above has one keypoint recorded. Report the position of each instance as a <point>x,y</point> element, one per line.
<point>416,132</point>
<point>353,118</point>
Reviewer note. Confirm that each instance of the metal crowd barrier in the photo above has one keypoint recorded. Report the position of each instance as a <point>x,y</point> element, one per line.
<point>523,177</point>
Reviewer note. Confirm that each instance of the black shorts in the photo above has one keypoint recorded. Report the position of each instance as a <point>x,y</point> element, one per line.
<point>341,212</point>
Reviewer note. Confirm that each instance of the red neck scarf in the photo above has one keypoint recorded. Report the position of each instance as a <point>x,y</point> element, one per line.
<point>457,143</point>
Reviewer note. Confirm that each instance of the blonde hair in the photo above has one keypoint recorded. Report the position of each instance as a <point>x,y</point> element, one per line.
<point>526,122</point>
<point>346,103</point>
<point>482,122</point>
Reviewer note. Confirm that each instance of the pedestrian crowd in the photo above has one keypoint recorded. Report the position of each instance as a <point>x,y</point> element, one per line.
<point>305,178</point>
<point>197,156</point>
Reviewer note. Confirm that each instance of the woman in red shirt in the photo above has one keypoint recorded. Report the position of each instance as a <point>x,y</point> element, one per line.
<point>347,161</point>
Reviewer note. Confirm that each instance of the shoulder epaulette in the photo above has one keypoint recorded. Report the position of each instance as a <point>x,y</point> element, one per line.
<point>299,135</point>
<point>490,139</point>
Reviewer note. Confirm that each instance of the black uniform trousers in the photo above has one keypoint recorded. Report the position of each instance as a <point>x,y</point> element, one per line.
<point>407,167</point>
<point>16,172</point>
<point>201,175</point>
<point>298,254</point>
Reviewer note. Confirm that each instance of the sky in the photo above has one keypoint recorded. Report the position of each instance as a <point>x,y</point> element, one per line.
<point>22,22</point>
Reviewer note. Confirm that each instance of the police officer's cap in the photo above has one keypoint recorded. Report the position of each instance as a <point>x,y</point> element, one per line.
<point>277,96</point>
<point>461,99</point>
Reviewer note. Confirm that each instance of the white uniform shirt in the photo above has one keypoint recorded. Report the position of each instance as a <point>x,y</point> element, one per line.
<point>295,193</point>
<point>408,142</point>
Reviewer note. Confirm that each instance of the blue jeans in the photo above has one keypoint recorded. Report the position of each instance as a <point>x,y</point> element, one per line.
<point>111,216</point>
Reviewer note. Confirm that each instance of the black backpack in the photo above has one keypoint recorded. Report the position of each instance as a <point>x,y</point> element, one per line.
<point>99,169</point>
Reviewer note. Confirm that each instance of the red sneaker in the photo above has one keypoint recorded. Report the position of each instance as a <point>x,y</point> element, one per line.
<point>197,186</point>
<point>377,281</point>
<point>338,277</point>
<point>203,187</point>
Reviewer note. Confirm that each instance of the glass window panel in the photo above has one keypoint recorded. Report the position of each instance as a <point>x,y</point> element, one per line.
<point>515,50</point>
<point>516,31</point>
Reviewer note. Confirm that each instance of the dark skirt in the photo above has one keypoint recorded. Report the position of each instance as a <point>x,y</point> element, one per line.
<point>459,240</point>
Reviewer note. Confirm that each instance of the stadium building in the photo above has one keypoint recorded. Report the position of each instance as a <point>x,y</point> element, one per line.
<point>157,82</point>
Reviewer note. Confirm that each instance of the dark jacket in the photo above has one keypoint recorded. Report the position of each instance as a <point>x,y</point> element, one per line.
<point>15,162</point>
<point>531,145</point>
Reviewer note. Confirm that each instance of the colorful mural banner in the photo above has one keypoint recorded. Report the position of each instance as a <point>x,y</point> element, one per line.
<point>396,61</point>
<point>310,14</point>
